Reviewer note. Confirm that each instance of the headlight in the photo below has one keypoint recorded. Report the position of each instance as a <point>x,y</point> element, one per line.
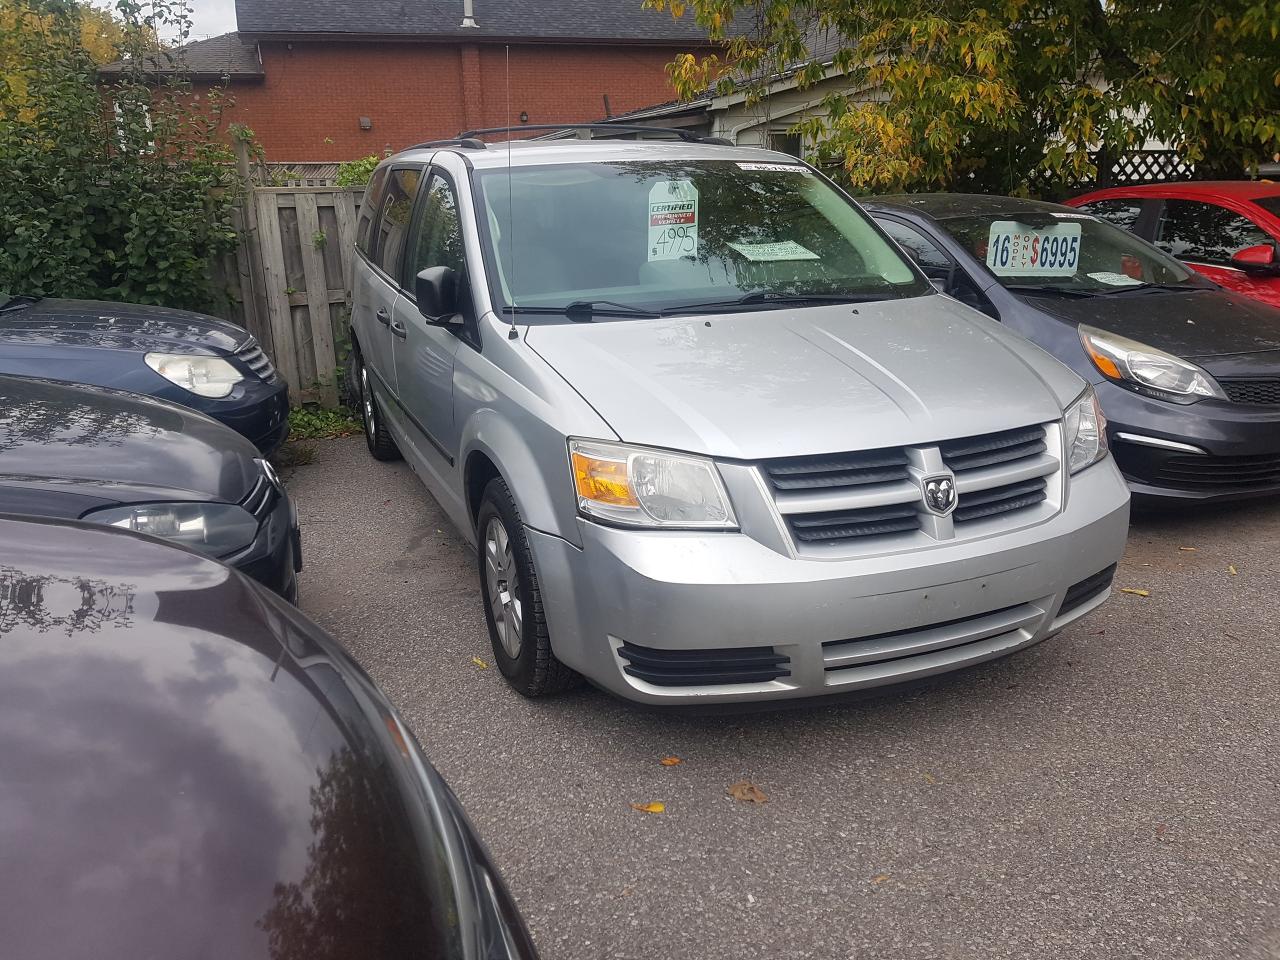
<point>214,528</point>
<point>205,376</point>
<point>1085,430</point>
<point>647,488</point>
<point>1152,371</point>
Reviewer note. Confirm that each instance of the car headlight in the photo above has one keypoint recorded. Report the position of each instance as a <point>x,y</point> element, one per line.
<point>204,376</point>
<point>1085,431</point>
<point>214,528</point>
<point>648,488</point>
<point>1149,370</point>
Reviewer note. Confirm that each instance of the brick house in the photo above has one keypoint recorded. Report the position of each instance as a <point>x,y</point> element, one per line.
<point>331,80</point>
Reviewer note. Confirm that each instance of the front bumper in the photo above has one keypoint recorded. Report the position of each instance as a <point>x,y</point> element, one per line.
<point>256,409</point>
<point>1205,451</point>
<point>824,626</point>
<point>275,556</point>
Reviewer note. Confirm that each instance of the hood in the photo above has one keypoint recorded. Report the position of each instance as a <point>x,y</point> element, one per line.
<point>120,326</point>
<point>777,383</point>
<point>1197,324</point>
<point>186,761</point>
<point>84,447</point>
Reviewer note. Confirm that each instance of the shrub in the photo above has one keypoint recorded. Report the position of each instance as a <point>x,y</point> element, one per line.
<point>120,192</point>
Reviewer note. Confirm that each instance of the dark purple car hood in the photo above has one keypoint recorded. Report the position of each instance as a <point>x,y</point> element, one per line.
<point>121,326</point>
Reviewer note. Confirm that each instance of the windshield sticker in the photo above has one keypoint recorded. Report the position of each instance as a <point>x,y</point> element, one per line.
<point>673,220</point>
<point>1019,250</point>
<point>766,252</point>
<point>773,167</point>
<point>1115,279</point>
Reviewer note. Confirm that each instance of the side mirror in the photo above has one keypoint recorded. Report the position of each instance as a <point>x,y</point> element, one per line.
<point>437,291</point>
<point>1259,259</point>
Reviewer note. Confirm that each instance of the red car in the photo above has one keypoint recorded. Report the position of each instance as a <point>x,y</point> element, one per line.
<point>1229,230</point>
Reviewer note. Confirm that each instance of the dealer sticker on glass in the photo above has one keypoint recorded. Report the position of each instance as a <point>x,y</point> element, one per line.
<point>1018,250</point>
<point>673,220</point>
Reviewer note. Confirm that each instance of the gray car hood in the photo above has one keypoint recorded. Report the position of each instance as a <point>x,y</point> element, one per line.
<point>777,383</point>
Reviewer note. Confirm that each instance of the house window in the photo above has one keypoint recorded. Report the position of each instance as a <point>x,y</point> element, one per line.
<point>789,143</point>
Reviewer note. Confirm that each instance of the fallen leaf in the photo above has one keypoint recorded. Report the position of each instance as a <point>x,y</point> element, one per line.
<point>880,878</point>
<point>480,663</point>
<point>655,807</point>
<point>1135,591</point>
<point>670,761</point>
<point>929,779</point>
<point>1231,569</point>
<point>1189,549</point>
<point>747,792</point>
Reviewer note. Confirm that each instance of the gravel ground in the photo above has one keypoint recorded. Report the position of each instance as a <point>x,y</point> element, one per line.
<point>1111,793</point>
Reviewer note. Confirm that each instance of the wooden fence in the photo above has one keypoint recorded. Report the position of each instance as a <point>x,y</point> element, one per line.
<point>289,282</point>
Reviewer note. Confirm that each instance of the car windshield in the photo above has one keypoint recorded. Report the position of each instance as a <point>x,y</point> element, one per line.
<point>661,236</point>
<point>1270,204</point>
<point>1065,251</point>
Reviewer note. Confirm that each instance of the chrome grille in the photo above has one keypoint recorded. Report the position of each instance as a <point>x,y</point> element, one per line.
<point>252,356</point>
<point>836,501</point>
<point>261,498</point>
<point>1257,390</point>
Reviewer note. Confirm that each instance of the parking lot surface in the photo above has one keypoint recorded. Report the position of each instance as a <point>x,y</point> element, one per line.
<point>1113,792</point>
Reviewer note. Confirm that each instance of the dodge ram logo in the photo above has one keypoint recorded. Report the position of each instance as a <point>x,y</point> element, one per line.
<point>939,494</point>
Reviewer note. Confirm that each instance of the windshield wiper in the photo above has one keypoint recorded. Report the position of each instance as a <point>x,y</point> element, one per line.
<point>770,297</point>
<point>1034,288</point>
<point>1141,287</point>
<point>581,311</point>
<point>612,308</point>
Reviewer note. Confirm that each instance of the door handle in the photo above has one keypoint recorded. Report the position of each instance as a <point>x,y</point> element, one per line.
<point>384,317</point>
<point>398,329</point>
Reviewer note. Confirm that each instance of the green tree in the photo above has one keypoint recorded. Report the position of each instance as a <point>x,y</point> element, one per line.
<point>121,191</point>
<point>986,92</point>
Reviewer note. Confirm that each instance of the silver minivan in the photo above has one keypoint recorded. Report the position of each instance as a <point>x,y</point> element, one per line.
<point>714,436</point>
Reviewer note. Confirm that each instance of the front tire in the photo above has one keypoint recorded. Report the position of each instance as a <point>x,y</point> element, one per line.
<point>376,435</point>
<point>512,601</point>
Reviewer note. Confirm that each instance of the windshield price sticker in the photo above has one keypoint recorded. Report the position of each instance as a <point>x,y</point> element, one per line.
<point>1018,250</point>
<point>767,252</point>
<point>773,167</point>
<point>673,220</point>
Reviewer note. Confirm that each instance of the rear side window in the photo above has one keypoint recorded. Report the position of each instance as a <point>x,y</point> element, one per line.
<point>1205,232</point>
<point>923,250</point>
<point>1122,212</point>
<point>394,218</point>
<point>369,208</point>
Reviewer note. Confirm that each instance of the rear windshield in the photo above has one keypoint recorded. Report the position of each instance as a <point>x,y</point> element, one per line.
<point>1270,204</point>
<point>1065,250</point>
<point>657,235</point>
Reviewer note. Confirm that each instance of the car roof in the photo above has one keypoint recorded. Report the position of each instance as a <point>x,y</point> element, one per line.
<point>943,206</point>
<point>526,153</point>
<point>190,761</point>
<point>1239,189</point>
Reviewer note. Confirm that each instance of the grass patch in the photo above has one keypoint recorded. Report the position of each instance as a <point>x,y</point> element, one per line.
<point>317,423</point>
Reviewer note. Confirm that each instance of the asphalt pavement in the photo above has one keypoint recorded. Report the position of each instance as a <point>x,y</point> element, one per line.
<point>1111,793</point>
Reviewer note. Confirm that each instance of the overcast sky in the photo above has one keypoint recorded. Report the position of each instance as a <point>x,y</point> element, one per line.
<point>209,17</point>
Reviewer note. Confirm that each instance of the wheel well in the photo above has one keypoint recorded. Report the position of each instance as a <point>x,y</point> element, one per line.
<point>479,471</point>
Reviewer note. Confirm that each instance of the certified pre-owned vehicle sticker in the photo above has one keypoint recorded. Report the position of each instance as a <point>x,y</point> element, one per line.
<point>1019,250</point>
<point>775,167</point>
<point>783,250</point>
<point>673,220</point>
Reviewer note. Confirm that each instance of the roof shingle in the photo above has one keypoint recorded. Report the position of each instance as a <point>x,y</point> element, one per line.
<point>228,55</point>
<point>572,20</point>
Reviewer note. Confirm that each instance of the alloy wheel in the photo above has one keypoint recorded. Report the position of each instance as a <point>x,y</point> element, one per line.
<point>366,400</point>
<point>502,586</point>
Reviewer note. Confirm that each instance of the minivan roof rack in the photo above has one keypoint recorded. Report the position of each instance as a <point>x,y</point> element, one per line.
<point>685,135</point>
<point>464,141</point>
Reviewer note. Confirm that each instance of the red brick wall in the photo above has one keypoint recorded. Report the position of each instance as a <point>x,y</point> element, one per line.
<point>309,106</point>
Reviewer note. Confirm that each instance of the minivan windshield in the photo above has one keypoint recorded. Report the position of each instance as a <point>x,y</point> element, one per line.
<point>641,237</point>
<point>1071,252</point>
